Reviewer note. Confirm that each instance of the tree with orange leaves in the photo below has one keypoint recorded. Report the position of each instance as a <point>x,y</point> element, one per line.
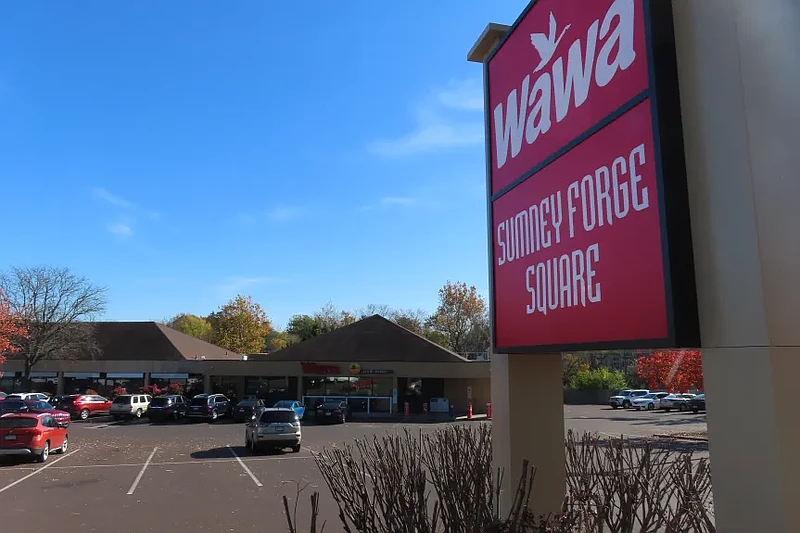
<point>672,370</point>
<point>11,328</point>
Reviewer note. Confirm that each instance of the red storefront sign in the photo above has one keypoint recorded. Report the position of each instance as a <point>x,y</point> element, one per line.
<point>588,219</point>
<point>320,369</point>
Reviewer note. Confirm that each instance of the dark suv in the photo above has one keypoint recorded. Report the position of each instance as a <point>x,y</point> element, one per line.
<point>162,408</point>
<point>209,407</point>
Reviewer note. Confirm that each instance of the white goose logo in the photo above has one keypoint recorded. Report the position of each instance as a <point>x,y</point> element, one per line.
<point>546,44</point>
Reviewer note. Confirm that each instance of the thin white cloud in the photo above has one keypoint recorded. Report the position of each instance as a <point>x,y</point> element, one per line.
<point>112,198</point>
<point>466,95</point>
<point>237,284</point>
<point>120,230</point>
<point>405,201</point>
<point>448,118</point>
<point>283,213</point>
<point>129,209</point>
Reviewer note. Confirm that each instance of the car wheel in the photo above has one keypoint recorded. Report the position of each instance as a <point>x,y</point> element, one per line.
<point>84,414</point>
<point>138,413</point>
<point>214,415</point>
<point>650,406</point>
<point>64,446</point>
<point>296,448</point>
<point>626,404</point>
<point>668,409</point>
<point>42,457</point>
<point>175,415</point>
<point>695,411</point>
<point>681,408</point>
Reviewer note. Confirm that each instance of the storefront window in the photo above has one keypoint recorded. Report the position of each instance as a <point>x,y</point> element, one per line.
<point>270,389</point>
<point>11,382</point>
<point>188,382</point>
<point>44,382</point>
<point>131,382</point>
<point>80,382</point>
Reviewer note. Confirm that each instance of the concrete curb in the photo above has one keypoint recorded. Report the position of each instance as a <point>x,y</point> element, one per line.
<point>678,437</point>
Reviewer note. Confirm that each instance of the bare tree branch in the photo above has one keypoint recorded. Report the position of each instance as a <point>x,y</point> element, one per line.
<point>57,306</point>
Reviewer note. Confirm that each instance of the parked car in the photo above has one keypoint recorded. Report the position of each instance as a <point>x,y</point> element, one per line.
<point>294,405</point>
<point>129,405</point>
<point>13,405</point>
<point>624,397</point>
<point>85,405</point>
<point>3,396</point>
<point>698,403</point>
<point>173,406</point>
<point>55,400</point>
<point>40,407</point>
<point>29,396</point>
<point>273,428</point>
<point>679,401</point>
<point>649,401</point>
<point>245,409</point>
<point>29,434</point>
<point>209,406</point>
<point>330,412</point>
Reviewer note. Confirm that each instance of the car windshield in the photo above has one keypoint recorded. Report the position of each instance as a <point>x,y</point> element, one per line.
<point>69,399</point>
<point>9,423</point>
<point>284,404</point>
<point>284,417</point>
<point>624,393</point>
<point>40,405</point>
<point>159,402</point>
<point>14,397</point>
<point>700,397</point>
<point>648,396</point>
<point>123,399</point>
<point>200,400</point>
<point>247,403</point>
<point>331,405</point>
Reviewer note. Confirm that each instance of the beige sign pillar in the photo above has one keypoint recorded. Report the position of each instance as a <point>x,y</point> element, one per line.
<point>527,397</point>
<point>740,79</point>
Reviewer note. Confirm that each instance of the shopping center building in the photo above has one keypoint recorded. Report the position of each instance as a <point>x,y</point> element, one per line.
<point>376,365</point>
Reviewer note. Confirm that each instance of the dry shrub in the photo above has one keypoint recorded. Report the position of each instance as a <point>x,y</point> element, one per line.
<point>443,482</point>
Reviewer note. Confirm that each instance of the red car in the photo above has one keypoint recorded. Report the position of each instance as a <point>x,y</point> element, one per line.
<point>85,405</point>
<point>40,407</point>
<point>28,434</point>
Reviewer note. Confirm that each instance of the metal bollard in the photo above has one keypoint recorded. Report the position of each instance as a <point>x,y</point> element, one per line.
<point>489,410</point>
<point>469,412</point>
<point>406,409</point>
<point>425,409</point>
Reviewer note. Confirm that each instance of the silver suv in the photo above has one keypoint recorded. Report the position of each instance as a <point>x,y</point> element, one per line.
<point>624,398</point>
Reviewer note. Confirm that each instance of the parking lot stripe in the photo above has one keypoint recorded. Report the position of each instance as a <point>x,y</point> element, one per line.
<point>249,473</point>
<point>48,465</point>
<point>141,472</point>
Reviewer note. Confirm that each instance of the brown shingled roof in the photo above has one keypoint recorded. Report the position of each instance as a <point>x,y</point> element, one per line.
<point>373,339</point>
<point>150,341</point>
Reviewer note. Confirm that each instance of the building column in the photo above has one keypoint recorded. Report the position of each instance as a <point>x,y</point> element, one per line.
<point>60,384</point>
<point>146,379</point>
<point>207,383</point>
<point>528,423</point>
<point>739,74</point>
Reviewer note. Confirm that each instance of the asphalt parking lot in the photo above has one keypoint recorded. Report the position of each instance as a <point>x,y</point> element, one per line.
<point>199,477</point>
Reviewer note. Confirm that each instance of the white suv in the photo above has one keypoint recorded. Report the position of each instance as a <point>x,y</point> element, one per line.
<point>624,398</point>
<point>28,396</point>
<point>130,405</point>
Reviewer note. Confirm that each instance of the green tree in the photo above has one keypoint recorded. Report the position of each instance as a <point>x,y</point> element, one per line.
<point>278,340</point>
<point>304,327</point>
<point>462,317</point>
<point>193,325</point>
<point>241,325</point>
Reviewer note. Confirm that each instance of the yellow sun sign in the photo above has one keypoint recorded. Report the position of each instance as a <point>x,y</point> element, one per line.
<point>355,368</point>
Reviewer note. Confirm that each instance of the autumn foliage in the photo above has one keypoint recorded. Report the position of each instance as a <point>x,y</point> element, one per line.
<point>10,328</point>
<point>672,370</point>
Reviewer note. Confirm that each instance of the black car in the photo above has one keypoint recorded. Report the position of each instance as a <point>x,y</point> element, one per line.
<point>171,407</point>
<point>698,403</point>
<point>209,407</point>
<point>13,406</point>
<point>330,412</point>
<point>245,409</point>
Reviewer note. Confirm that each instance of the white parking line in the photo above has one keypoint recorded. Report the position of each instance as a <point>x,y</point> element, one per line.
<point>249,473</point>
<point>141,472</point>
<point>244,459</point>
<point>48,465</point>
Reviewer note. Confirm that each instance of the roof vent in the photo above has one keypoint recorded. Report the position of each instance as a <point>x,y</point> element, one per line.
<point>202,357</point>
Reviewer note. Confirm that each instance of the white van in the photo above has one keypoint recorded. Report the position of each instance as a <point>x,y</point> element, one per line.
<point>134,405</point>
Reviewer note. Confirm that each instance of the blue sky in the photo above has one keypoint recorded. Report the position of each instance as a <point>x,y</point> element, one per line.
<point>303,152</point>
